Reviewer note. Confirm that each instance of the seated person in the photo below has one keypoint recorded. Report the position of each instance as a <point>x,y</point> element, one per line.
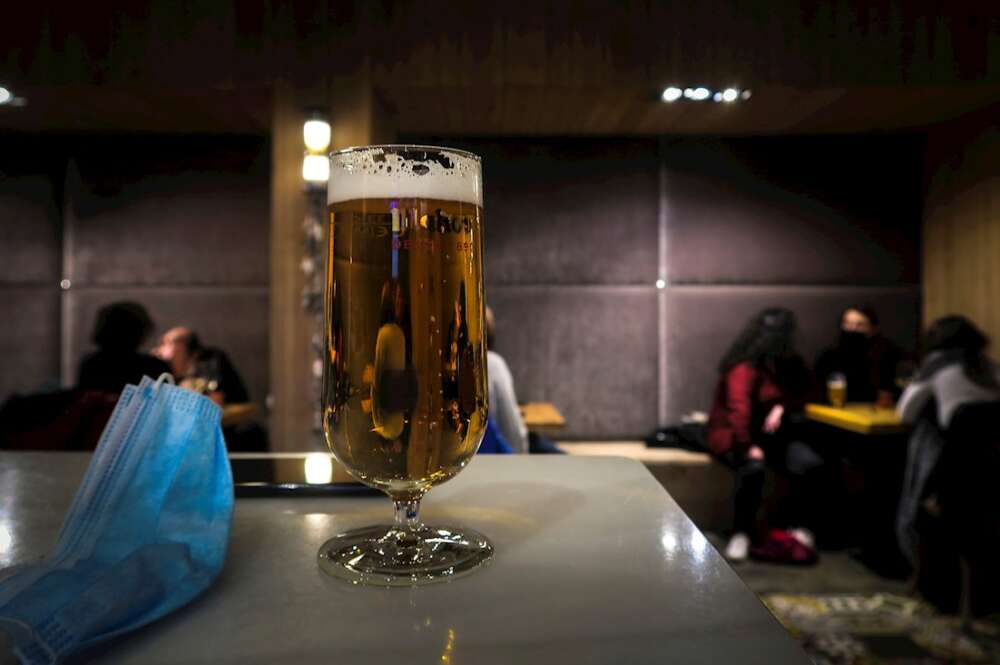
<point>762,389</point>
<point>120,330</point>
<point>865,357</point>
<point>209,371</point>
<point>203,369</point>
<point>503,401</point>
<point>493,442</point>
<point>956,373</point>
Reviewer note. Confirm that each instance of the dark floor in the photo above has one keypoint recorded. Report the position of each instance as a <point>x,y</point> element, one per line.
<point>836,572</point>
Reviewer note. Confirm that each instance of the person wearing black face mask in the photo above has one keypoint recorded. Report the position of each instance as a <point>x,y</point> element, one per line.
<point>863,356</point>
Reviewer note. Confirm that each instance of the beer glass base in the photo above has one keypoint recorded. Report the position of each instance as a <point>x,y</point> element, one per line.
<point>410,556</point>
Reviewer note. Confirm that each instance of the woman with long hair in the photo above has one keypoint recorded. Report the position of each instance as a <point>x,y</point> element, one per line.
<point>762,389</point>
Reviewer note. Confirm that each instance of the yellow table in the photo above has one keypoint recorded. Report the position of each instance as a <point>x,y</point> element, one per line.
<point>863,418</point>
<point>542,415</point>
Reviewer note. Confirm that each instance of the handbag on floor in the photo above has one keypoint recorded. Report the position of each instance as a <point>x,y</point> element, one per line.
<point>780,546</point>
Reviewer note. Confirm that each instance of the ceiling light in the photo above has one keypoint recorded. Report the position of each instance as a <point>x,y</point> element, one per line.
<point>5,96</point>
<point>316,134</point>
<point>672,94</point>
<point>702,93</point>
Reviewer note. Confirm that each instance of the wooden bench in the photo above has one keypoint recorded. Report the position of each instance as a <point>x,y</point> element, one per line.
<point>702,487</point>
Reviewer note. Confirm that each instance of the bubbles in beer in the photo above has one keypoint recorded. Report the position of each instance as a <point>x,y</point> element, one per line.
<point>406,407</point>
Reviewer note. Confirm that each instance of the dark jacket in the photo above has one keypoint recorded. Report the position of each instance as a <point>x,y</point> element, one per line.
<point>111,371</point>
<point>868,369</point>
<point>214,365</point>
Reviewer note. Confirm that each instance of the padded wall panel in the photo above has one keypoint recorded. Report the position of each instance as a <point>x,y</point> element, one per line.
<point>580,211</point>
<point>184,212</point>
<point>802,210</point>
<point>30,233</point>
<point>589,350</point>
<point>29,339</point>
<point>235,320</point>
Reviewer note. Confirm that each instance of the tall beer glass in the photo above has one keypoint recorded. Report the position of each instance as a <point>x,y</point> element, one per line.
<point>404,381</point>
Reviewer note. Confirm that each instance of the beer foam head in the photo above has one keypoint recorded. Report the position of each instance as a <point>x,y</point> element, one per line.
<point>404,172</point>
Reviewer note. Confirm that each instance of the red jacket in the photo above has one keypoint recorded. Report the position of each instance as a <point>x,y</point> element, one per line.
<point>743,398</point>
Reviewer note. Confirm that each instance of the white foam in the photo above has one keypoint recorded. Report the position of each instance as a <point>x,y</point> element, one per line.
<point>377,173</point>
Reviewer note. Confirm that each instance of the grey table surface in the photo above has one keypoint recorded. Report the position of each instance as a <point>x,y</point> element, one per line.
<point>595,563</point>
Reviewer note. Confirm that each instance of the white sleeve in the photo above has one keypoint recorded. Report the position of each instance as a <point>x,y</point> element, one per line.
<point>503,401</point>
<point>913,400</point>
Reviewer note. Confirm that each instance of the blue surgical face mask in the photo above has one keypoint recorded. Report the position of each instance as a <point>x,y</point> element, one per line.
<point>146,533</point>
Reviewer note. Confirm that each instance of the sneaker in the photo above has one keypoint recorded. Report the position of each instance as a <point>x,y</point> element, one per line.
<point>804,536</point>
<point>738,547</point>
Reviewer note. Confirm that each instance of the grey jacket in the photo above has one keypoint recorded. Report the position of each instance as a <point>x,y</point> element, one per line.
<point>929,403</point>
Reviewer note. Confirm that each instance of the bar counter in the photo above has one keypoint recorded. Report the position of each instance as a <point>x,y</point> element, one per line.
<point>595,563</point>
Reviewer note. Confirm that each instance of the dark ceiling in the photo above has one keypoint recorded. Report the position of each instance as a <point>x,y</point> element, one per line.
<point>520,68</point>
<point>511,110</point>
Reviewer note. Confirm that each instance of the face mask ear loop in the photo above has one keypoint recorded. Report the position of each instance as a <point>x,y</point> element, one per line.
<point>166,376</point>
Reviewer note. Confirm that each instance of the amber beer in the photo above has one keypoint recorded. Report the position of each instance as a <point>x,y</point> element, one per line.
<point>836,390</point>
<point>404,380</point>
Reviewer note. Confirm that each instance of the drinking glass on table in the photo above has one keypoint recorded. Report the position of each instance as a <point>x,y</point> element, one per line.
<point>836,390</point>
<point>404,382</point>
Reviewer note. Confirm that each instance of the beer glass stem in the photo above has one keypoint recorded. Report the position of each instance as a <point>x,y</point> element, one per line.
<point>407,513</point>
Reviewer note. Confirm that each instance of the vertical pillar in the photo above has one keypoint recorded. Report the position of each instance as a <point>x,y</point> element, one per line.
<point>356,118</point>
<point>291,402</point>
<point>357,113</point>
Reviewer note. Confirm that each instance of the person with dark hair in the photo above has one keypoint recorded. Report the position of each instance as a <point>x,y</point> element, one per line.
<point>956,375</point>
<point>865,358</point>
<point>120,329</point>
<point>762,389</point>
<point>955,371</point>
<point>204,369</point>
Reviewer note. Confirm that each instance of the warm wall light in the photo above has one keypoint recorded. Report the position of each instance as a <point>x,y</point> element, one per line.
<point>318,468</point>
<point>316,168</point>
<point>5,95</point>
<point>316,134</point>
